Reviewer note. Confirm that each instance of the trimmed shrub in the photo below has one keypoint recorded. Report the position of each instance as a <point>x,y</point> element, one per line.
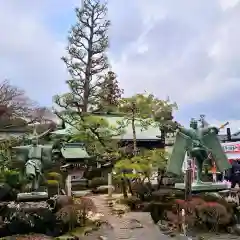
<point>142,190</point>
<point>213,214</point>
<point>97,182</point>
<point>54,176</point>
<point>52,183</point>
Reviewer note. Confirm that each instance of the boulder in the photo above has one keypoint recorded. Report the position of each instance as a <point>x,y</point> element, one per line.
<point>60,201</point>
<point>7,193</point>
<point>25,218</point>
<point>102,189</point>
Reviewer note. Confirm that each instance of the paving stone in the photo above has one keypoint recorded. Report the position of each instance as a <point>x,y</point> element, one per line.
<point>130,226</point>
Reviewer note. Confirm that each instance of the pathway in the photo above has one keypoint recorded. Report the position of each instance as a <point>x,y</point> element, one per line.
<point>130,226</point>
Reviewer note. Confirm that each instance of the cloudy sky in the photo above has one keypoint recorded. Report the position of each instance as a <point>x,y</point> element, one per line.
<point>187,50</point>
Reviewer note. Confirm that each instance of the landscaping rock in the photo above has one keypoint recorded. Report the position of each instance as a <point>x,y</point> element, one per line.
<point>236,229</point>
<point>102,189</point>
<point>7,193</point>
<point>119,209</point>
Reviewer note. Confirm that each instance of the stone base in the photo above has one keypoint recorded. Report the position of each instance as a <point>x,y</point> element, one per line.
<point>205,186</point>
<point>80,193</point>
<point>32,196</point>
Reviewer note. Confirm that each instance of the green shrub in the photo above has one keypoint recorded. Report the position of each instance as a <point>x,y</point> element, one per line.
<point>54,176</point>
<point>52,183</point>
<point>97,182</point>
<point>158,210</point>
<point>12,178</point>
<point>167,194</point>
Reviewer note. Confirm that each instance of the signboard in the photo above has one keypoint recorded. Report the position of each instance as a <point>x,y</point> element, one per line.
<point>231,147</point>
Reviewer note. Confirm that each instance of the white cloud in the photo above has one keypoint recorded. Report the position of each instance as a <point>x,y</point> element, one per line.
<point>192,54</point>
<point>29,52</point>
<point>226,4</point>
<point>188,50</point>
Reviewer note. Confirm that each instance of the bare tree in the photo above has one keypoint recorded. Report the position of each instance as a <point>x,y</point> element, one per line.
<point>42,115</point>
<point>17,109</point>
<point>14,102</point>
<point>86,57</point>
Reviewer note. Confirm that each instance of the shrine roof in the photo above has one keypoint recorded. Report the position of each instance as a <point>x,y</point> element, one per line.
<point>74,152</point>
<point>141,134</point>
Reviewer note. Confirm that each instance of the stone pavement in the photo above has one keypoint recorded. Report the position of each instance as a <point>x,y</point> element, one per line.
<point>130,226</point>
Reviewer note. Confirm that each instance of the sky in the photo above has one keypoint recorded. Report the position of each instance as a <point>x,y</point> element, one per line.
<point>186,50</point>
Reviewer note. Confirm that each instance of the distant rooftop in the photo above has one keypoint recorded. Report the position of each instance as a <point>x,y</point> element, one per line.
<point>74,151</point>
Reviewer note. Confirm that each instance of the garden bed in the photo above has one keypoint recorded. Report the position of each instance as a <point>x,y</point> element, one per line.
<point>205,212</point>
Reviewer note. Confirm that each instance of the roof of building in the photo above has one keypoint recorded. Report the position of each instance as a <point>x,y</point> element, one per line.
<point>234,137</point>
<point>74,151</point>
<point>149,134</point>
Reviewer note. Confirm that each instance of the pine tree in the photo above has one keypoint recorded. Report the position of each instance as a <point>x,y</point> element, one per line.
<point>86,55</point>
<point>109,93</point>
<point>87,62</point>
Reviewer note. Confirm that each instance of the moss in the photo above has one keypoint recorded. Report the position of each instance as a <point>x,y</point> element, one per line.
<point>54,176</point>
<point>52,183</point>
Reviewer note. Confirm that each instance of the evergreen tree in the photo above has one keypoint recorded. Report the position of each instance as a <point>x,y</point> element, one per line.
<point>109,93</point>
<point>86,62</point>
<point>86,56</point>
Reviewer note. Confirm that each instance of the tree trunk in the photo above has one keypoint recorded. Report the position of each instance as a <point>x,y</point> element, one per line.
<point>88,74</point>
<point>160,178</point>
<point>130,186</point>
<point>124,189</point>
<point>134,132</point>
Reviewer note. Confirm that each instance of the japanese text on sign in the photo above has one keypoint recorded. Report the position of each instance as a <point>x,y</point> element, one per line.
<point>231,148</point>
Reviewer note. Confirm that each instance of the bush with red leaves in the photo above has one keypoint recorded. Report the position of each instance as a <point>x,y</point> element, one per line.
<point>199,212</point>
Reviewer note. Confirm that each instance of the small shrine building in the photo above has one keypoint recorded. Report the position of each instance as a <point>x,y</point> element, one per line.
<point>76,161</point>
<point>77,158</point>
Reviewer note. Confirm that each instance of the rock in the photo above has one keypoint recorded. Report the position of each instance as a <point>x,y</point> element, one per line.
<point>81,193</point>
<point>133,224</point>
<point>67,237</point>
<point>182,237</point>
<point>119,209</point>
<point>236,229</point>
<point>102,238</point>
<point>230,230</point>
<point>7,193</point>
<point>163,227</point>
<point>28,206</point>
<point>62,201</point>
<point>103,189</point>
<point>24,218</point>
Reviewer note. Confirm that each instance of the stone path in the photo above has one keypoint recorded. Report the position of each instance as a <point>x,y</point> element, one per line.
<point>130,226</point>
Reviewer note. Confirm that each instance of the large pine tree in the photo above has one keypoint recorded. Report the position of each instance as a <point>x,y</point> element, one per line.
<point>86,57</point>
<point>87,64</point>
